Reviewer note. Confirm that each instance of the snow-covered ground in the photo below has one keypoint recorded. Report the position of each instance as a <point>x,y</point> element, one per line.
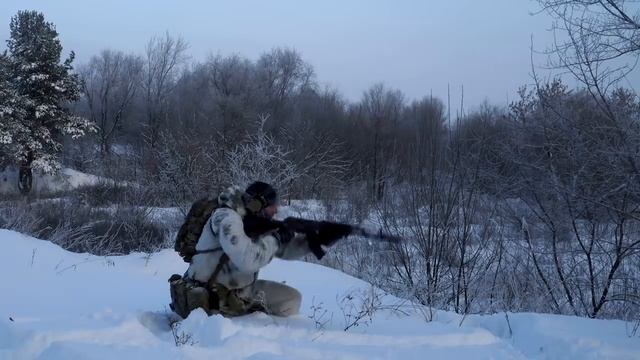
<point>60,305</point>
<point>66,179</point>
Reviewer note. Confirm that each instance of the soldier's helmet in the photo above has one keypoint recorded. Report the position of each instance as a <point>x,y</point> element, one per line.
<point>260,195</point>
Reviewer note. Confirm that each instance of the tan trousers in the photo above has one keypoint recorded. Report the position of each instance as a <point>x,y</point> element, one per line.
<point>276,298</point>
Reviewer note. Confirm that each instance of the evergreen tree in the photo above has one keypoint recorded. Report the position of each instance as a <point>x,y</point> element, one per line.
<point>10,112</point>
<point>9,109</point>
<point>44,86</point>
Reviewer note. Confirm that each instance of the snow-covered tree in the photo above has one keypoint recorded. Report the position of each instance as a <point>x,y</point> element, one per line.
<point>44,86</point>
<point>261,158</point>
<point>6,99</point>
<point>10,111</point>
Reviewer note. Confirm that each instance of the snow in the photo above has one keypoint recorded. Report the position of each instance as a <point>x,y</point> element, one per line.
<point>5,138</point>
<point>60,305</point>
<point>65,179</point>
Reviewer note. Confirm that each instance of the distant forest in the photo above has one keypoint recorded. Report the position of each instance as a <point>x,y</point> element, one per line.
<point>529,207</point>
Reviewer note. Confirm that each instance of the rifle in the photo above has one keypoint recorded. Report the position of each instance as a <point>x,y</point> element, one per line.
<point>318,233</point>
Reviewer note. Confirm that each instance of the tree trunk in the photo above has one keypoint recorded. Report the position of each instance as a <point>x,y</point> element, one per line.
<point>25,175</point>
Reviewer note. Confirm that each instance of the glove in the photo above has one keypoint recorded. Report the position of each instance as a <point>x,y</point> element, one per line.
<point>284,235</point>
<point>255,226</point>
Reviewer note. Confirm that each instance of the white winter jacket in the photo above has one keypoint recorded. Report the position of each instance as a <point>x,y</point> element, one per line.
<point>224,231</point>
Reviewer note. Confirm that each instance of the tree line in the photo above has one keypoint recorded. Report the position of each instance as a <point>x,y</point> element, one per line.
<point>533,206</point>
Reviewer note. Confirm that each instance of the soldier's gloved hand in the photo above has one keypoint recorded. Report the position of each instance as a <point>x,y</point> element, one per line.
<point>284,235</point>
<point>255,226</point>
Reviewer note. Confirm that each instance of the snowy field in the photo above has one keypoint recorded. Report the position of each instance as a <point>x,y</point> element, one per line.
<point>59,305</point>
<point>66,179</point>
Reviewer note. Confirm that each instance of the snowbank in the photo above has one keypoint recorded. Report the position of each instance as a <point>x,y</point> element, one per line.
<point>60,305</point>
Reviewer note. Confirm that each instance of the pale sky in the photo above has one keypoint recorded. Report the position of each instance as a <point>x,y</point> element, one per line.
<point>416,46</point>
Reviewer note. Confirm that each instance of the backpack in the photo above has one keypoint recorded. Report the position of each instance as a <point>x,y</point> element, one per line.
<point>192,227</point>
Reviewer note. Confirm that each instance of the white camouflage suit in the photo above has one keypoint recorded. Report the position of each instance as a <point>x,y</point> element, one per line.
<point>224,231</point>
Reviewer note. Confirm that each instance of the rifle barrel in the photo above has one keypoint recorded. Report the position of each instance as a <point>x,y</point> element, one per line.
<point>380,235</point>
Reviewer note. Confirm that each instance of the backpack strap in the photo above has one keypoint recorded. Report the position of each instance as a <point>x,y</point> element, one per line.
<point>212,285</point>
<point>224,259</point>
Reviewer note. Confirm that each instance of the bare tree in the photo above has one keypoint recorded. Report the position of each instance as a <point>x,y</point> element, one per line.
<point>597,42</point>
<point>381,110</point>
<point>110,82</point>
<point>164,56</point>
<point>281,73</point>
<point>261,158</point>
<point>184,170</point>
<point>320,161</point>
<point>597,30</point>
<point>232,80</point>
<point>317,133</point>
<point>582,233</point>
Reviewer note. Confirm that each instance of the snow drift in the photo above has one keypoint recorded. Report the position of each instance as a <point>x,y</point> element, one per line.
<point>60,305</point>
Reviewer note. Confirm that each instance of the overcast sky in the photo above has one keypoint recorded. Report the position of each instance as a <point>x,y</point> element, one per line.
<point>417,46</point>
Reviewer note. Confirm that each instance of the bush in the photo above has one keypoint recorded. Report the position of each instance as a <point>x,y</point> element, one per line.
<point>103,193</point>
<point>80,228</point>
